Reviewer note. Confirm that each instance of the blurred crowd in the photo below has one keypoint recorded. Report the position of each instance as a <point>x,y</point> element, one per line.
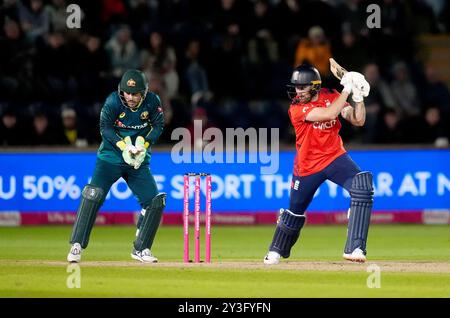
<point>225,62</point>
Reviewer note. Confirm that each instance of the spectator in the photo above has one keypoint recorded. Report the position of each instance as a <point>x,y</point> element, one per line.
<point>74,134</point>
<point>195,74</point>
<point>43,134</point>
<point>53,67</point>
<point>227,19</point>
<point>353,16</point>
<point>160,60</point>
<point>288,32</point>
<point>315,50</point>
<point>262,49</point>
<point>34,19</point>
<point>94,66</point>
<point>57,15</point>
<point>11,132</point>
<point>13,60</point>
<point>156,85</point>
<point>227,74</point>
<point>424,18</point>
<point>434,130</point>
<point>404,91</point>
<point>379,99</point>
<point>390,129</point>
<point>435,91</point>
<point>122,51</point>
<point>262,46</point>
<point>353,51</point>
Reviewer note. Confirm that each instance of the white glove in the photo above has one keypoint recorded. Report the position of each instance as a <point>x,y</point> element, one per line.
<point>360,84</point>
<point>347,82</point>
<point>359,87</point>
<point>141,151</point>
<point>357,96</point>
<point>128,150</point>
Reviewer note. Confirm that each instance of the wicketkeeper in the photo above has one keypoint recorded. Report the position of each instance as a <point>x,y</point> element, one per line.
<point>321,156</point>
<point>131,121</point>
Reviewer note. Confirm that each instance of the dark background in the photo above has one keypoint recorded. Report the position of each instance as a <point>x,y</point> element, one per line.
<point>222,61</point>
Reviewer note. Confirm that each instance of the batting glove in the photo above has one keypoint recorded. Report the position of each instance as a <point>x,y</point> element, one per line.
<point>360,84</point>
<point>128,150</point>
<point>361,88</point>
<point>347,82</point>
<point>357,96</point>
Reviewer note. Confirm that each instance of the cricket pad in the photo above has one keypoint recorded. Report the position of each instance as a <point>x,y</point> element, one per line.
<point>361,203</point>
<point>150,223</point>
<point>91,200</point>
<point>287,232</point>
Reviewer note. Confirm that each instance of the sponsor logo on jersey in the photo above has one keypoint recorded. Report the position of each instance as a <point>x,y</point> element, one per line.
<point>144,115</point>
<point>324,124</point>
<point>131,83</point>
<point>118,123</point>
<point>122,115</point>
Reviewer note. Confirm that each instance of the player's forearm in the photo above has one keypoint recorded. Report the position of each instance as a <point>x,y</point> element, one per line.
<point>336,107</point>
<point>359,114</point>
<point>109,133</point>
<point>328,113</point>
<point>107,130</point>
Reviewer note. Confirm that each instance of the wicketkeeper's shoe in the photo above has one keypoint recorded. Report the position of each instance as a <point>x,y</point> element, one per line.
<point>144,256</point>
<point>74,255</point>
<point>272,258</point>
<point>356,256</point>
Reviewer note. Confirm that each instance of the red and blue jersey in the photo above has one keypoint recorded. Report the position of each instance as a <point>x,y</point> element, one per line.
<point>317,143</point>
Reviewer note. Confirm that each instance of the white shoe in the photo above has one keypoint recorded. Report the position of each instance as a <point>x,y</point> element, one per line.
<point>272,258</point>
<point>74,255</point>
<point>356,256</point>
<point>144,256</point>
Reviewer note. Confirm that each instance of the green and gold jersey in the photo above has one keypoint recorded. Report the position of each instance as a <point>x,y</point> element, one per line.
<point>118,121</point>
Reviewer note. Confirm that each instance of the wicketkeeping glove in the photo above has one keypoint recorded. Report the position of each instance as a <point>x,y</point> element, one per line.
<point>128,150</point>
<point>141,147</point>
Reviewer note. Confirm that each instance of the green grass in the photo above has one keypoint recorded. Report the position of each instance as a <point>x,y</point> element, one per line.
<point>402,243</point>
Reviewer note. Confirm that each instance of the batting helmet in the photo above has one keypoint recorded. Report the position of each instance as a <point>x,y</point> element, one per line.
<point>304,74</point>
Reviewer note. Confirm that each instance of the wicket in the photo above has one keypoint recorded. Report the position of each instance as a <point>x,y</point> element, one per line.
<point>197,217</point>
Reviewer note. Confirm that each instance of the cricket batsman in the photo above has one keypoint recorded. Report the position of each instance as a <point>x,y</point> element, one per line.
<point>320,156</point>
<point>131,121</point>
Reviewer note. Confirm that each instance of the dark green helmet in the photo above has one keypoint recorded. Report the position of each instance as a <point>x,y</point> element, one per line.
<point>132,82</point>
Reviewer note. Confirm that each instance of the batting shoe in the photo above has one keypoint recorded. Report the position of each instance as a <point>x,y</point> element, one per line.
<point>356,256</point>
<point>272,258</point>
<point>74,255</point>
<point>144,256</point>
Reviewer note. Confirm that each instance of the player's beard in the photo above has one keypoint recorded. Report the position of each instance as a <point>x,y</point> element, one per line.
<point>133,104</point>
<point>303,98</point>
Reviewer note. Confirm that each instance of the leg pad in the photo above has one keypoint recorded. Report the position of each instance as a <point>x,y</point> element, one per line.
<point>150,223</point>
<point>92,199</point>
<point>287,232</point>
<point>360,210</point>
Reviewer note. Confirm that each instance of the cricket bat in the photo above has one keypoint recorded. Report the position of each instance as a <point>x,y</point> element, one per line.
<point>336,69</point>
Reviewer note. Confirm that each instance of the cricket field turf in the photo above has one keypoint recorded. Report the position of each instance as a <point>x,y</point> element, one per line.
<point>403,261</point>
